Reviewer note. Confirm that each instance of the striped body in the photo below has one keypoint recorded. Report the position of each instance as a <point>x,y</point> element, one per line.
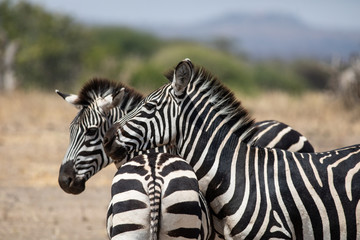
<point>253,192</point>
<point>156,196</point>
<point>271,193</point>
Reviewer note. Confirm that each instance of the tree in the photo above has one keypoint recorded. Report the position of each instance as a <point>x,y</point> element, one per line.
<point>50,46</point>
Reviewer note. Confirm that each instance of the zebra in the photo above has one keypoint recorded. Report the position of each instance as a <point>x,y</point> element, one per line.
<point>101,103</point>
<point>156,196</point>
<point>253,192</point>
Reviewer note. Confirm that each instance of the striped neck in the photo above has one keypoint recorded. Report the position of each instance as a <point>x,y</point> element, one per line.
<point>209,106</point>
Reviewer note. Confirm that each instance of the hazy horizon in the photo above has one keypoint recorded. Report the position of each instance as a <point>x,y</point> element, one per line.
<point>330,14</point>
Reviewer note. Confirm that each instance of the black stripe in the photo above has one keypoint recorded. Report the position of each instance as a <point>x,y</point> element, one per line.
<point>128,205</point>
<point>125,185</point>
<point>185,233</point>
<point>118,229</point>
<point>189,208</point>
<point>180,184</point>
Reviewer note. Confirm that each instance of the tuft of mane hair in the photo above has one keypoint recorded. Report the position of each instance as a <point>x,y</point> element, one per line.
<point>102,87</point>
<point>222,99</point>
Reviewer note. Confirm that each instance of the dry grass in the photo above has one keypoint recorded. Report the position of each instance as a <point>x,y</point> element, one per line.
<point>33,140</point>
<point>34,137</point>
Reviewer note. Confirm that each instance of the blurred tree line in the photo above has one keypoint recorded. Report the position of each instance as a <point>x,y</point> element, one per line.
<point>53,51</point>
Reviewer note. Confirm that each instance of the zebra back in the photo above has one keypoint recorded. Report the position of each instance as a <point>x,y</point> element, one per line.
<point>154,196</point>
<point>275,134</point>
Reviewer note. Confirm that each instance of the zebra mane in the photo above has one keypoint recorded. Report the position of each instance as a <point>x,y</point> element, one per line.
<point>222,99</point>
<point>102,87</point>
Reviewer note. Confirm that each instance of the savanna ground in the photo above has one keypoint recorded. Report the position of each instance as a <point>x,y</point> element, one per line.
<point>34,137</point>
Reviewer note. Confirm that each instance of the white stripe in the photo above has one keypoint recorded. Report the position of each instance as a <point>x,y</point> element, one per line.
<point>349,178</point>
<point>316,173</point>
<point>278,137</point>
<point>130,195</point>
<point>267,129</point>
<point>321,160</point>
<point>297,146</point>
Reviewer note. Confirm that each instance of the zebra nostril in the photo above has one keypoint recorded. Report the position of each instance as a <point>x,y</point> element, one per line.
<point>68,181</point>
<point>65,181</point>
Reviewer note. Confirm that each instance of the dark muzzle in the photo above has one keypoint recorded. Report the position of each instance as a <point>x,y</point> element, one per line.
<point>68,181</point>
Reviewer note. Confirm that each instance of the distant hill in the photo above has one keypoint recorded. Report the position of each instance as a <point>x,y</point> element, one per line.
<point>265,36</point>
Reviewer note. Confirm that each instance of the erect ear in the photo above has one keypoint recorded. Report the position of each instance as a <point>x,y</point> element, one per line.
<point>182,76</point>
<point>117,98</point>
<point>70,98</point>
<point>112,100</point>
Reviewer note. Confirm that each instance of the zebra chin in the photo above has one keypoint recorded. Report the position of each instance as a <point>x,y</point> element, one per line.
<point>68,180</point>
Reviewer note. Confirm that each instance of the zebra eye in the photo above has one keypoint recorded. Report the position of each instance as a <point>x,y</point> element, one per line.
<point>91,131</point>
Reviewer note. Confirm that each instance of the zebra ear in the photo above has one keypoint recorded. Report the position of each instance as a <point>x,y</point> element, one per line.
<point>70,98</point>
<point>117,98</point>
<point>112,100</point>
<point>182,76</point>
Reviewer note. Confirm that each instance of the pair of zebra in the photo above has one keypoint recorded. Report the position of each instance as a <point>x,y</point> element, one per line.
<point>252,191</point>
<point>85,157</point>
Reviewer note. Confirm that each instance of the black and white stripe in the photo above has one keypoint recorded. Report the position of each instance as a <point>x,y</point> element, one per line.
<point>253,192</point>
<point>156,196</point>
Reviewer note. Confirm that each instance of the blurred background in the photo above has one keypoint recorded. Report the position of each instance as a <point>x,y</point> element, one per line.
<point>296,62</point>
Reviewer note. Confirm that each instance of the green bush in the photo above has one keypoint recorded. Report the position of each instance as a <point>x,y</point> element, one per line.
<point>317,75</point>
<point>277,76</point>
<point>233,72</point>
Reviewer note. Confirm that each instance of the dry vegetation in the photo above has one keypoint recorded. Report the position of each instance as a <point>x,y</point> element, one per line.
<point>34,138</point>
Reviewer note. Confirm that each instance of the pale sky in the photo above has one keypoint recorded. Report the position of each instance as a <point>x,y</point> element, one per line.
<point>329,14</point>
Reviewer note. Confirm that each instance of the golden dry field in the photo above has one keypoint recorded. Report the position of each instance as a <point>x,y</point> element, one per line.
<point>34,137</point>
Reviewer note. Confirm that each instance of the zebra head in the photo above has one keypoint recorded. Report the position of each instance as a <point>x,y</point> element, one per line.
<point>153,122</point>
<point>101,102</point>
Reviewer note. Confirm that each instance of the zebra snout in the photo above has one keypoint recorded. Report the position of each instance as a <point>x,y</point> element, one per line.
<point>68,181</point>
